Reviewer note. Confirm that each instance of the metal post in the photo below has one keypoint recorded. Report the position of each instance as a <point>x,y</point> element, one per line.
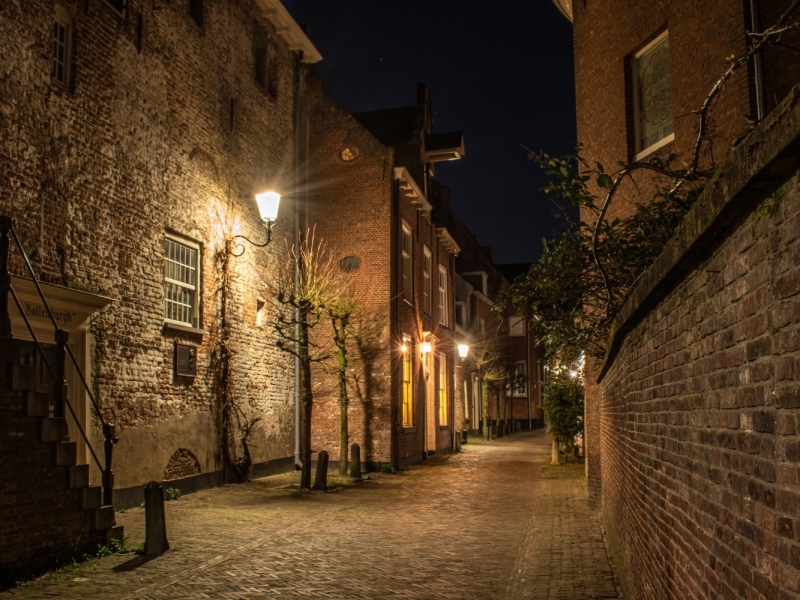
<point>109,433</point>
<point>5,278</point>
<point>60,385</point>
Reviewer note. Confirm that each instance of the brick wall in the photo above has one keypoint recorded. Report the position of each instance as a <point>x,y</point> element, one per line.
<point>699,396</point>
<point>163,129</point>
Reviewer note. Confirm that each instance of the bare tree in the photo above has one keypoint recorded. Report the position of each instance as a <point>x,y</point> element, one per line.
<point>301,290</point>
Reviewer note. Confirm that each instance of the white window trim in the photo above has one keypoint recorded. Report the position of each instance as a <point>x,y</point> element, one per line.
<point>198,286</point>
<point>427,287</point>
<point>514,390</point>
<point>408,278</point>
<point>442,296</point>
<point>640,154</point>
<point>63,18</point>
<point>511,323</point>
<point>442,391</point>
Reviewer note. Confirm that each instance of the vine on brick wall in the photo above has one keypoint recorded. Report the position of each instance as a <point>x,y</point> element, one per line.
<point>235,426</point>
<point>585,276</point>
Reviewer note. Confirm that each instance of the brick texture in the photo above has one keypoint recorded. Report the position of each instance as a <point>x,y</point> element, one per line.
<point>698,409</point>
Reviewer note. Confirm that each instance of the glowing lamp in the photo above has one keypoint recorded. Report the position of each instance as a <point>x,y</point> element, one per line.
<point>425,348</point>
<point>268,203</point>
<point>463,350</point>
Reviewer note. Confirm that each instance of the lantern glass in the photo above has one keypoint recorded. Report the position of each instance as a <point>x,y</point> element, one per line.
<point>268,203</point>
<point>425,347</point>
<point>463,350</point>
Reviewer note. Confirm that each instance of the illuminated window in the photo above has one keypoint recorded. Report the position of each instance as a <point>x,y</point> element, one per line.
<point>442,295</point>
<point>407,271</point>
<point>62,48</point>
<point>408,386</point>
<point>652,107</point>
<point>426,281</point>
<point>181,281</point>
<point>519,381</point>
<point>516,327</point>
<point>442,382</point>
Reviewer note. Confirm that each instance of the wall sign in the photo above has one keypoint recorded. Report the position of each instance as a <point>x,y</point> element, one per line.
<point>185,360</point>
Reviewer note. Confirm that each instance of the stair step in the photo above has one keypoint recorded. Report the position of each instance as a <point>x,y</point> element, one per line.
<point>92,497</point>
<point>22,378</point>
<point>66,453</point>
<point>37,405</point>
<point>78,476</point>
<point>104,518</point>
<point>53,429</point>
<point>117,532</point>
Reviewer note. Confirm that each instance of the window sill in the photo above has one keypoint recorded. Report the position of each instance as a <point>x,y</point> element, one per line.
<point>407,301</point>
<point>173,326</point>
<point>444,427</point>
<point>409,430</point>
<point>653,147</point>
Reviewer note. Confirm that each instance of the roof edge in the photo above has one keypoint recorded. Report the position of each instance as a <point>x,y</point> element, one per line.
<point>289,30</point>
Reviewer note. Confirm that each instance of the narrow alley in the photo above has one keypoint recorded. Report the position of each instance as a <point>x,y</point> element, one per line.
<point>495,521</point>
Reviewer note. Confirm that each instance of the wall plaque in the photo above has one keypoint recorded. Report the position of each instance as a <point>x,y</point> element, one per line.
<point>185,360</point>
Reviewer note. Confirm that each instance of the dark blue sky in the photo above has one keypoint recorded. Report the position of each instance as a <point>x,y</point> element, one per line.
<point>500,72</point>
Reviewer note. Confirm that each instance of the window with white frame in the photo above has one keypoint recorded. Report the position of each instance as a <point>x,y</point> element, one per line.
<point>519,383</point>
<point>442,295</point>
<point>408,385</point>
<point>442,383</point>
<point>516,326</point>
<point>62,48</point>
<point>426,280</point>
<point>652,106</point>
<point>181,281</point>
<point>407,271</point>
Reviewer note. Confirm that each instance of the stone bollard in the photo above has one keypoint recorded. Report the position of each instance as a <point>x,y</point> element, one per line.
<point>321,477</point>
<point>355,463</point>
<point>155,526</point>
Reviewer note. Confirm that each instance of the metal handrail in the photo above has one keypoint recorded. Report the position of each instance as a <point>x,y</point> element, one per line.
<point>109,430</point>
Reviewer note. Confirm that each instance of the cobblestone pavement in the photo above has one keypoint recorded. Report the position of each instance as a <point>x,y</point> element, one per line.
<point>491,522</point>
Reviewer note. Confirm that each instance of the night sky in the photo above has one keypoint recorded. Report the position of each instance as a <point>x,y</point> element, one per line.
<point>500,72</point>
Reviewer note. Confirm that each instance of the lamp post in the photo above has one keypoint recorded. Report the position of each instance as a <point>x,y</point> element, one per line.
<point>425,349</point>
<point>463,351</point>
<point>268,203</point>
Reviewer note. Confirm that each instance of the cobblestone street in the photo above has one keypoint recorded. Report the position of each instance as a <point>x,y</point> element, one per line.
<point>494,521</point>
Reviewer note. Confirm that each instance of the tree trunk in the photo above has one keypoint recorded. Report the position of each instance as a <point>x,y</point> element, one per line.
<point>554,455</point>
<point>486,432</point>
<point>341,331</point>
<point>306,400</point>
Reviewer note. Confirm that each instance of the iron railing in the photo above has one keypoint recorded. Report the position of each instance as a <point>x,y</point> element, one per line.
<point>62,351</point>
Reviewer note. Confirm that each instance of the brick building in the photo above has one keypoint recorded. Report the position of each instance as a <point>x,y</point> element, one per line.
<point>514,403</point>
<point>690,426</point>
<point>372,203</point>
<point>134,138</point>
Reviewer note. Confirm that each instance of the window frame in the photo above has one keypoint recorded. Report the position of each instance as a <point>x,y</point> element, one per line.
<point>514,322</point>
<point>407,384</point>
<point>639,152</point>
<point>427,268</point>
<point>442,296</point>
<point>64,19</point>
<point>197,247</point>
<point>520,390</point>
<point>407,262</point>
<point>122,12</point>
<point>441,392</point>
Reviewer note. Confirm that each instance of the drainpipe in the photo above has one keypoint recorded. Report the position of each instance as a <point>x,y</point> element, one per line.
<point>298,58</point>
<point>758,61</point>
<point>528,372</point>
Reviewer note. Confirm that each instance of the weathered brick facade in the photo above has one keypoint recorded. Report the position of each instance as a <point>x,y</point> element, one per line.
<point>162,128</point>
<point>698,418</point>
<point>701,38</point>
<point>369,186</point>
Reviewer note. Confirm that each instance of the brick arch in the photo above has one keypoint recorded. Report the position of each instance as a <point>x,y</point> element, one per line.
<point>182,464</point>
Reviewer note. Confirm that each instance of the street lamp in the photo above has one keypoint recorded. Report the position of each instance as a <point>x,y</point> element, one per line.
<point>463,350</point>
<point>425,348</point>
<point>268,203</point>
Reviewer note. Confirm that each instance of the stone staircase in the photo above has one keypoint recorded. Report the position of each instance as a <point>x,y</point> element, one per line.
<point>49,512</point>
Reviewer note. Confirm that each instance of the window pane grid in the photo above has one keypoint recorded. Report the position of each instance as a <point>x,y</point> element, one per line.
<point>442,296</point>
<point>442,390</point>
<point>407,265</point>
<point>408,398</point>
<point>60,52</point>
<point>180,284</point>
<point>653,103</point>
<point>426,283</point>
